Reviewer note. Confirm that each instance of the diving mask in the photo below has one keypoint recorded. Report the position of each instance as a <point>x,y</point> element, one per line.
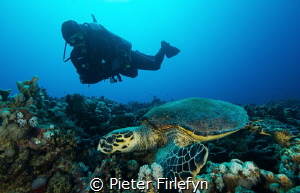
<point>76,39</point>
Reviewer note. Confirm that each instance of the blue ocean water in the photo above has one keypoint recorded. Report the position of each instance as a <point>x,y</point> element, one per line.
<point>238,51</point>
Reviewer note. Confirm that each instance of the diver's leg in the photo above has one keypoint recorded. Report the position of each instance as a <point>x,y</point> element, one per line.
<point>146,62</point>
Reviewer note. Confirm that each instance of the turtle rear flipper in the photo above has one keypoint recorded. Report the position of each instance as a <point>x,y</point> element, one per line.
<point>267,129</point>
<point>181,162</point>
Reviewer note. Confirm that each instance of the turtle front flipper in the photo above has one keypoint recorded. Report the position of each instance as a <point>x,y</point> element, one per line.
<point>181,162</point>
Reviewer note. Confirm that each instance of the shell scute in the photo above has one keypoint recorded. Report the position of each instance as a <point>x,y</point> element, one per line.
<point>199,115</point>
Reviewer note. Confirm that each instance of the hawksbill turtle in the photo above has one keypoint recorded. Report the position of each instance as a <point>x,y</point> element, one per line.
<point>176,129</point>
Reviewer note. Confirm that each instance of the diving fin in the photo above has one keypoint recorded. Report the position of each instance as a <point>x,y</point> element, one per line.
<point>170,51</point>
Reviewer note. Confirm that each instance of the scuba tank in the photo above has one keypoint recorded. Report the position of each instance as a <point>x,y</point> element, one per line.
<point>120,46</point>
<point>116,41</point>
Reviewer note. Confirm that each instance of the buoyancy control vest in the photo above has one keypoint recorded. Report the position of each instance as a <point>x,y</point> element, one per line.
<point>93,61</point>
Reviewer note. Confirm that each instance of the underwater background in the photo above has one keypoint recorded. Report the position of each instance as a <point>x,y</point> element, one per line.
<point>243,52</point>
<point>238,51</point>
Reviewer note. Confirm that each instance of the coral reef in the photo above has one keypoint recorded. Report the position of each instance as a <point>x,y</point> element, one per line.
<point>228,176</point>
<point>4,94</point>
<point>147,173</point>
<point>285,110</point>
<point>238,176</point>
<point>49,145</point>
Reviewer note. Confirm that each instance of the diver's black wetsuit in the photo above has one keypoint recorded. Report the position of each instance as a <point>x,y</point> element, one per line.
<point>94,60</point>
<point>144,62</point>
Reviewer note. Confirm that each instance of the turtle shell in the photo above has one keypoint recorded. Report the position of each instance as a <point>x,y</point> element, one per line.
<point>203,117</point>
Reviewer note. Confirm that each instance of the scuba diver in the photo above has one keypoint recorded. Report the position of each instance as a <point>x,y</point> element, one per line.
<point>99,54</point>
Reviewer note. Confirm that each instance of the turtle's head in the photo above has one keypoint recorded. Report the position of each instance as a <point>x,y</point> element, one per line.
<point>119,141</point>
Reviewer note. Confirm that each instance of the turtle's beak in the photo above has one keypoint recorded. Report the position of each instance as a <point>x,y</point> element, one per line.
<point>118,141</point>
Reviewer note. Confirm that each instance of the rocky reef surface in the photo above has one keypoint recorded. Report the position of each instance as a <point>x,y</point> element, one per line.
<point>49,145</point>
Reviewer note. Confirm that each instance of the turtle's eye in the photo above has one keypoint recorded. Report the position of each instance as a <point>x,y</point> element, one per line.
<point>111,139</point>
<point>129,134</point>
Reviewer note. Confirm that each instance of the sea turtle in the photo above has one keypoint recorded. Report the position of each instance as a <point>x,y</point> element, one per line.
<point>177,129</point>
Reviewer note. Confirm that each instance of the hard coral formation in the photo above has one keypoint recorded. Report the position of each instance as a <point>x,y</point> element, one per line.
<point>4,94</point>
<point>49,145</point>
<point>27,157</point>
<point>276,182</point>
<point>30,95</point>
<point>228,176</point>
<point>29,87</point>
